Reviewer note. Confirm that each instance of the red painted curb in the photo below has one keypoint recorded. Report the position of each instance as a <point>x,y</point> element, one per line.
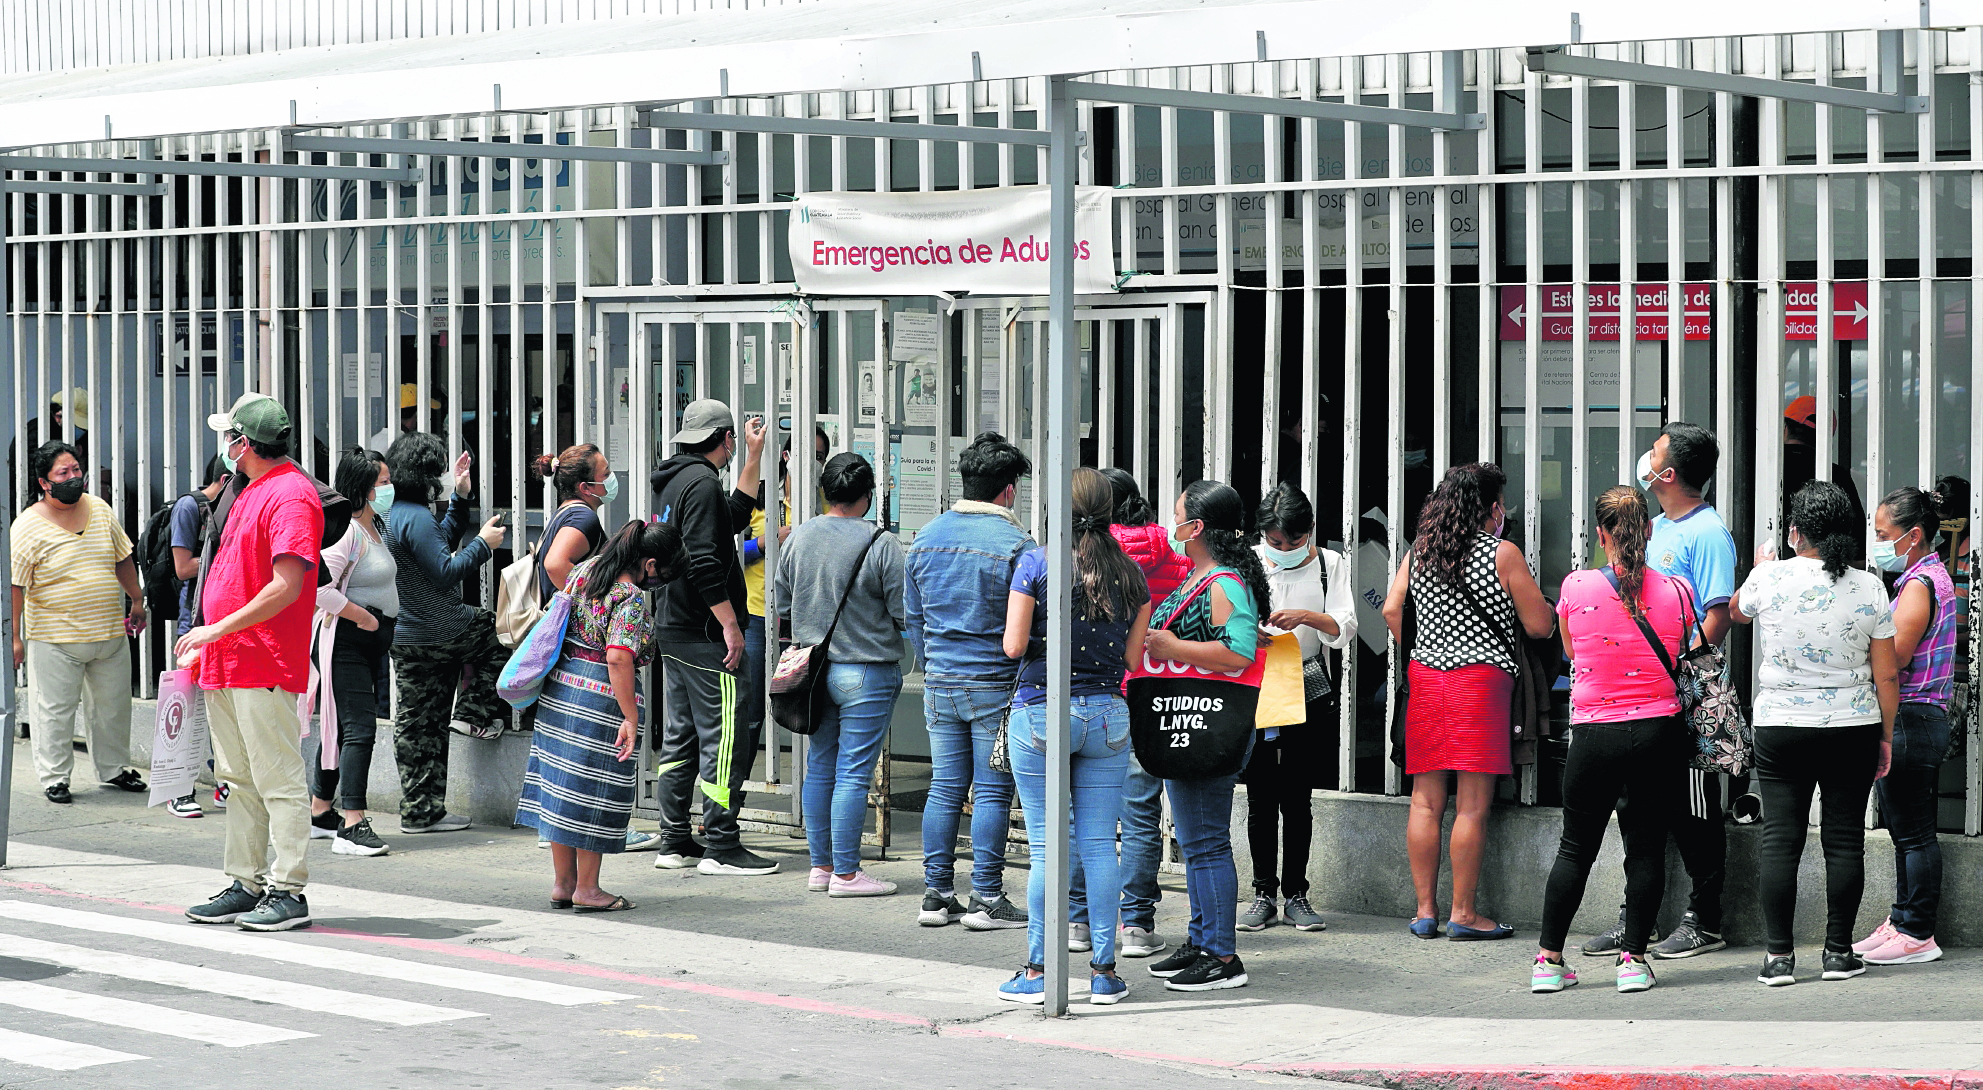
<point>1627,1078</point>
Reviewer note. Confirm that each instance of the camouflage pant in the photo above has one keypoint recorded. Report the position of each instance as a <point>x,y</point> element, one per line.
<point>428,677</point>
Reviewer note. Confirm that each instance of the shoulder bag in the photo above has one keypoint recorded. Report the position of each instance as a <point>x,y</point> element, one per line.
<point>1001,752</point>
<point>519,602</point>
<point>1187,722</point>
<point>798,689</point>
<point>1536,670</point>
<point>1712,709</point>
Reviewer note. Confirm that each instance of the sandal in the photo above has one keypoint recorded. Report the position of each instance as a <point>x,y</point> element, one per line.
<point>1425,927</point>
<point>484,731</point>
<point>619,904</point>
<point>557,902</point>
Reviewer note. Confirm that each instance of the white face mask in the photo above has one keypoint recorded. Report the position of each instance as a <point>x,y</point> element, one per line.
<point>1645,471</point>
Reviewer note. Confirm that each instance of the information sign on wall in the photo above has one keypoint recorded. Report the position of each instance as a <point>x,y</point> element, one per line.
<point>988,241</point>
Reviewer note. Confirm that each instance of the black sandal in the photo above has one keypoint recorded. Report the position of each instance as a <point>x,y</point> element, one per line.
<point>619,904</point>
<point>557,903</point>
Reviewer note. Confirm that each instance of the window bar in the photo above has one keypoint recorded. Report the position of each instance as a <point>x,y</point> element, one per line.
<point>1876,273</point>
<point>1532,327</point>
<point>1824,346</point>
<point>1353,302</point>
<point>1722,211</point>
<point>1168,146</point>
<point>1580,335</point>
<point>1674,399</point>
<point>1487,350</point>
<point>1628,277</point>
<point>1928,387</point>
<point>1448,75</point>
<point>1972,795</point>
<point>136,274</point>
<point>1218,375</point>
<point>1273,357</point>
<point>1771,220</point>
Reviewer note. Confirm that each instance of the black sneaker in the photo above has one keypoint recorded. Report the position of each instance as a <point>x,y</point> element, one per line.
<point>1778,970</point>
<point>737,860</point>
<point>1843,965</point>
<point>279,911</point>
<point>998,914</point>
<point>1182,958</point>
<point>358,839</point>
<point>1687,940</point>
<point>1612,942</point>
<point>59,792</point>
<point>678,856</point>
<point>324,826</point>
<point>126,780</point>
<point>939,909</point>
<point>1209,974</point>
<point>233,903</point>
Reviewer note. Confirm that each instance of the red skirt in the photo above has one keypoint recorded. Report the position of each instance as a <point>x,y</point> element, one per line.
<point>1458,720</point>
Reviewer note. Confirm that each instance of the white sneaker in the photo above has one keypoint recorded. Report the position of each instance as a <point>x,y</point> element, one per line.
<point>1078,940</point>
<point>446,823</point>
<point>1136,942</point>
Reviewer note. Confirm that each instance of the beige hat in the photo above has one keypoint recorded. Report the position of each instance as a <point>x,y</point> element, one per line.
<point>80,414</point>
<point>703,419</point>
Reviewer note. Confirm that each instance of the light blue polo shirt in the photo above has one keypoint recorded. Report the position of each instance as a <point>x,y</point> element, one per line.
<point>1696,547</point>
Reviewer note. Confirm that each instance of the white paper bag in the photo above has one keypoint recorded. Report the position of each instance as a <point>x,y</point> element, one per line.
<point>179,741</point>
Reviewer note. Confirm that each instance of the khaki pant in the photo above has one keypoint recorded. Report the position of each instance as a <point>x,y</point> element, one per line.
<point>257,748</point>
<point>61,673</point>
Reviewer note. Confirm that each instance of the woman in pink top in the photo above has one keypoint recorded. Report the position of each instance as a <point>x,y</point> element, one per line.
<point>1626,734</point>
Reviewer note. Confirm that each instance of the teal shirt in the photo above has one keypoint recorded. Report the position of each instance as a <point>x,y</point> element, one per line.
<point>1240,633</point>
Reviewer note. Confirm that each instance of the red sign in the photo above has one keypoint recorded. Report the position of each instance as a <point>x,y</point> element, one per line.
<point>1849,312</point>
<point>1559,311</point>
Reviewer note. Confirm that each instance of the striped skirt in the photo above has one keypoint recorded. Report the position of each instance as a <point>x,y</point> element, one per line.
<point>576,790</point>
<point>1459,720</point>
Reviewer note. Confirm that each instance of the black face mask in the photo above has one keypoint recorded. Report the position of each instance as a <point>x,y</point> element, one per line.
<point>67,492</point>
<point>655,582</point>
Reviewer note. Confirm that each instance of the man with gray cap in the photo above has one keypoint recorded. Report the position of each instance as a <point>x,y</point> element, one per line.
<point>252,655</point>
<point>699,623</point>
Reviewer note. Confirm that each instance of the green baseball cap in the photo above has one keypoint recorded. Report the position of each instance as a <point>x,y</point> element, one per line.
<point>256,416</point>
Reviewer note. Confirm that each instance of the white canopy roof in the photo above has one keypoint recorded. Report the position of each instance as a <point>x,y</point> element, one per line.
<point>843,44</point>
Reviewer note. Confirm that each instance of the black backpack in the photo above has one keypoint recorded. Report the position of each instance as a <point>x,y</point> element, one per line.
<point>154,558</point>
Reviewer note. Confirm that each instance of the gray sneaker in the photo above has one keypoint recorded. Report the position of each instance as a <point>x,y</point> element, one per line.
<point>1078,940</point>
<point>233,903</point>
<point>999,915</point>
<point>1613,940</point>
<point>446,823</point>
<point>1302,916</point>
<point>1139,942</point>
<point>279,911</point>
<point>1688,940</point>
<point>1260,916</point>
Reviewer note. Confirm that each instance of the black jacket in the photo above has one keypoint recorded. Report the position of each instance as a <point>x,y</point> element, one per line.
<point>689,496</point>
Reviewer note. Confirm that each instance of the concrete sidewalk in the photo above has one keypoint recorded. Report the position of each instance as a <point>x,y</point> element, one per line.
<point>1361,1003</point>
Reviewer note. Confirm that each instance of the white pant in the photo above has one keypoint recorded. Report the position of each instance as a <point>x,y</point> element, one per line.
<point>60,675</point>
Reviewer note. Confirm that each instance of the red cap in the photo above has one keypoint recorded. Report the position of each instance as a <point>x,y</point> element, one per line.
<point>1803,410</point>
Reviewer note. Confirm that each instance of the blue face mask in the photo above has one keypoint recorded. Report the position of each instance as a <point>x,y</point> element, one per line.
<point>1887,558</point>
<point>227,458</point>
<point>1286,559</point>
<point>382,498</point>
<point>612,487</point>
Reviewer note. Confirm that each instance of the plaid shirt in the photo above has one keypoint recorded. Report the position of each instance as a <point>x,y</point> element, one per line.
<point>1929,677</point>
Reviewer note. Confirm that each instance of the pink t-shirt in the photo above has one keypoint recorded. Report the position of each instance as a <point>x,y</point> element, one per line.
<point>1614,676</point>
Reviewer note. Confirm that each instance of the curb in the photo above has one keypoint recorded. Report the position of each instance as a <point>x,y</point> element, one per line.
<point>1626,1078</point>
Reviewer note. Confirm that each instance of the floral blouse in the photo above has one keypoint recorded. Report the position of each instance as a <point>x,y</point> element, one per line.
<point>620,619</point>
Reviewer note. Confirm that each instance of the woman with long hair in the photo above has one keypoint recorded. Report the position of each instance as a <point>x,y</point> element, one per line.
<point>579,785</point>
<point>1627,739</point>
<point>582,483</point>
<point>1218,629</point>
<point>438,635</point>
<point>1314,599</point>
<point>1924,645</point>
<point>1827,694</point>
<point>357,606</point>
<point>1110,615</point>
<point>1470,589</point>
<point>834,558</point>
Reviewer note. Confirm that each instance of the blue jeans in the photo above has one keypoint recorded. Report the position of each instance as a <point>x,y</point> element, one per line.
<point>961,722</point>
<point>1908,803</point>
<point>1201,810</point>
<point>1098,738</point>
<point>1142,845</point>
<point>840,759</point>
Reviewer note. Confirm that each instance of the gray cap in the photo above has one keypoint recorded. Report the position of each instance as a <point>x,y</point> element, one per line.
<point>702,420</point>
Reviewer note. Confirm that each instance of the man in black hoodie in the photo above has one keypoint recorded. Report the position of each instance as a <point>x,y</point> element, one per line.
<point>699,623</point>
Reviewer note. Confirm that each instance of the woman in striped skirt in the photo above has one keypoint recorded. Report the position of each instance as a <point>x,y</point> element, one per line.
<point>578,789</point>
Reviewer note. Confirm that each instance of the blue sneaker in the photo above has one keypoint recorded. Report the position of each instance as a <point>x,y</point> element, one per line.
<point>1106,988</point>
<point>1021,989</point>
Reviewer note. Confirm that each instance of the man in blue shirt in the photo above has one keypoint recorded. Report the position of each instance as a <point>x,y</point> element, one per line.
<point>959,574</point>
<point>1690,542</point>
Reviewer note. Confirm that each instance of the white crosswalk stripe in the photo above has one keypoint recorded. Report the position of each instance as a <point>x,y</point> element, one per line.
<point>145,1016</point>
<point>307,997</point>
<point>314,956</point>
<point>27,1048</point>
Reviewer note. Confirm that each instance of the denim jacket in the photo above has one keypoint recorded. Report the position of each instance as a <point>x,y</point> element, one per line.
<point>959,574</point>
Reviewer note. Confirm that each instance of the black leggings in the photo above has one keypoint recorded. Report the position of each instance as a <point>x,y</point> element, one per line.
<point>1280,779</point>
<point>1839,763</point>
<point>358,662</point>
<point>1644,757</point>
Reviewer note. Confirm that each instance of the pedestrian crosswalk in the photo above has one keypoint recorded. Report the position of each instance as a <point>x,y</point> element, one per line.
<point>69,984</point>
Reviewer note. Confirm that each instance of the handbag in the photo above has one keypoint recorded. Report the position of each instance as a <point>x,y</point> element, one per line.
<point>798,695</point>
<point>1723,739</point>
<point>1001,751</point>
<point>522,677</point>
<point>1187,722</point>
<point>1536,669</point>
<point>1283,690</point>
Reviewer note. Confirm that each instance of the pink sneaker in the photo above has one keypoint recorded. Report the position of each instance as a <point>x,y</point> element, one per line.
<point>818,879</point>
<point>1880,937</point>
<point>1902,950</point>
<point>862,884</point>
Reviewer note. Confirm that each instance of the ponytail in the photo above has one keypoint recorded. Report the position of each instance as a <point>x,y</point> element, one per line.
<point>1621,513</point>
<point>1227,536</point>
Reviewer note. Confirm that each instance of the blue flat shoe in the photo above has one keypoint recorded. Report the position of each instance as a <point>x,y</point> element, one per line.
<point>1459,933</point>
<point>1427,928</point>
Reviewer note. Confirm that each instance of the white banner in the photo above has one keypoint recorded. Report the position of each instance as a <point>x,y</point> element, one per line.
<point>984,241</point>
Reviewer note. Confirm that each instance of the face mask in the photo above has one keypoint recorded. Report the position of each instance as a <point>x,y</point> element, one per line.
<point>652,582</point>
<point>1286,559</point>
<point>67,492</point>
<point>612,484</point>
<point>382,498</point>
<point>227,459</point>
<point>1887,558</point>
<point>1417,459</point>
<point>1178,542</point>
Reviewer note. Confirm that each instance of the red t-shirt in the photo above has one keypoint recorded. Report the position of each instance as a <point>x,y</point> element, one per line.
<point>277,515</point>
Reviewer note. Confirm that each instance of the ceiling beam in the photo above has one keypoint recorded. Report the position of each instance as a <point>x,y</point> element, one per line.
<point>98,189</point>
<point>1553,60</point>
<point>824,126</point>
<point>365,145</point>
<point>1279,107</point>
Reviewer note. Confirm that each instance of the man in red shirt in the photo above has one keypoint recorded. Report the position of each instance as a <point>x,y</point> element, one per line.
<point>253,657</point>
